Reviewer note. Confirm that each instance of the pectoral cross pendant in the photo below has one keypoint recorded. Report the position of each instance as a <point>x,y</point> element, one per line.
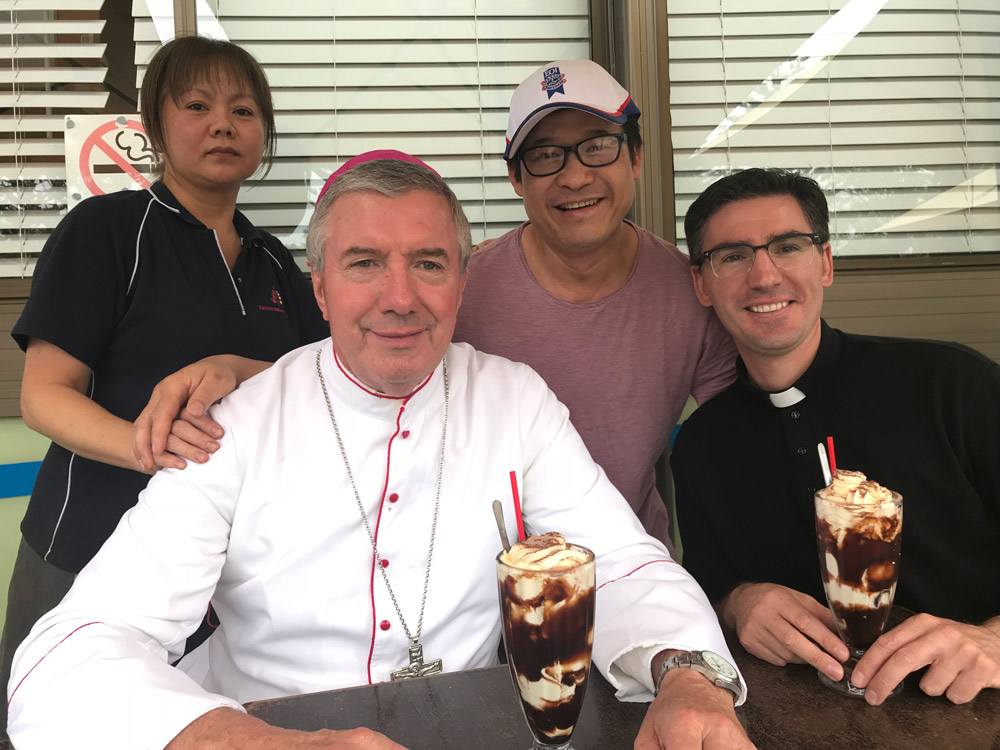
<point>417,667</point>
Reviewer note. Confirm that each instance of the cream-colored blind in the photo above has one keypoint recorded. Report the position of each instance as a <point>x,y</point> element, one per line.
<point>892,105</point>
<point>431,79</point>
<point>53,66</point>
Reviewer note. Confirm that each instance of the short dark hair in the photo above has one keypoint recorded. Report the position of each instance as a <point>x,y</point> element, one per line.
<point>755,183</point>
<point>633,139</point>
<point>182,62</point>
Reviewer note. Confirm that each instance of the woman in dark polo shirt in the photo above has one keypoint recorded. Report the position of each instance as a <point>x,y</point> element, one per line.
<point>132,287</point>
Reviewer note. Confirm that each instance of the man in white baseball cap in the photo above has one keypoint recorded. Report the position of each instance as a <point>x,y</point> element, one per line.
<point>601,308</point>
<point>591,89</point>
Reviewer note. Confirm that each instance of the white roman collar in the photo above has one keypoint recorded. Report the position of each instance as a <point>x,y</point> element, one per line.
<point>786,398</point>
<point>346,388</point>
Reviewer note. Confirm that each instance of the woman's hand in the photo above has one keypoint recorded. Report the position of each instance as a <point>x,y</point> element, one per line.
<point>175,425</point>
<point>171,430</point>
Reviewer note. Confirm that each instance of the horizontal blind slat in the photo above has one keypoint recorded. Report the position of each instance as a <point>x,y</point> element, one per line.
<point>327,53</point>
<point>434,81</point>
<point>441,8</point>
<point>900,125</point>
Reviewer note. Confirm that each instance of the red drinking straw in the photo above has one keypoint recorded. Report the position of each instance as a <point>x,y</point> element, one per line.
<point>833,458</point>
<point>517,506</point>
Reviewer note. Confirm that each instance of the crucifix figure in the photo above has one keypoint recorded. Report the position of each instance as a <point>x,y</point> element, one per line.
<point>416,667</point>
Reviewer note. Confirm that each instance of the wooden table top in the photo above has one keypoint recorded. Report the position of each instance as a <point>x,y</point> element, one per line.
<point>787,709</point>
<point>458,710</point>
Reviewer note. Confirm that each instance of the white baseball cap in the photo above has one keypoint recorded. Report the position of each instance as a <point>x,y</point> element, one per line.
<point>565,84</point>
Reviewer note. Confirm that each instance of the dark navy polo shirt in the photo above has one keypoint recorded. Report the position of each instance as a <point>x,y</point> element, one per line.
<point>135,287</point>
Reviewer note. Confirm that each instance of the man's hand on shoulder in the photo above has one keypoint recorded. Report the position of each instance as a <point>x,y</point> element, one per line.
<point>963,659</point>
<point>228,729</point>
<point>782,626</point>
<point>690,713</point>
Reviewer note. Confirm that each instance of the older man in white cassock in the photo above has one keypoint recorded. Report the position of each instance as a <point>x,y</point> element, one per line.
<point>343,529</point>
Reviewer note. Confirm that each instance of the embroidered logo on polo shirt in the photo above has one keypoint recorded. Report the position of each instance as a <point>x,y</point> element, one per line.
<point>552,82</point>
<point>277,303</point>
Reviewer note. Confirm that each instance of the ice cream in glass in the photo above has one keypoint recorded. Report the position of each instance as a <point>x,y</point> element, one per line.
<point>547,599</point>
<point>858,525</point>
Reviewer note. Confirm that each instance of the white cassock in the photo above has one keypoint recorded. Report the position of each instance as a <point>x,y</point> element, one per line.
<point>269,530</point>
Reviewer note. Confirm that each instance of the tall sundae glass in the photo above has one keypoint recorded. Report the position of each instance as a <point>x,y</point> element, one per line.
<point>858,525</point>
<point>547,599</point>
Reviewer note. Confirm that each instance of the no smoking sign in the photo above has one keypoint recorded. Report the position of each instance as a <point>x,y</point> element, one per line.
<point>105,154</point>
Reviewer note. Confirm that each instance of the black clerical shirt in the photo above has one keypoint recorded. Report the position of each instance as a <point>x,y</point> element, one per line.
<point>920,417</point>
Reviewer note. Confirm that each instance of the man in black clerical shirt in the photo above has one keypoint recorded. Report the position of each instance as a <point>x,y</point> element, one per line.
<point>920,417</point>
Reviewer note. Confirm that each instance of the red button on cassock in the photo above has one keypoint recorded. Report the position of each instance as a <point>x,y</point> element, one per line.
<point>404,434</point>
<point>385,563</point>
<point>393,497</point>
<point>384,625</point>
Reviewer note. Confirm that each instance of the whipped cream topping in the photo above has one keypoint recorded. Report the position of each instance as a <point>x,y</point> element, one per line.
<point>855,488</point>
<point>544,552</point>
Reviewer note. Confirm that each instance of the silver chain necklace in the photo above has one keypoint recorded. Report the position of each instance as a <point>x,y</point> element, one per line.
<point>417,666</point>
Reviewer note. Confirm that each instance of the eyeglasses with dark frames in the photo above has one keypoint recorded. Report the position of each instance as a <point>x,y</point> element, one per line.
<point>793,250</point>
<point>597,151</point>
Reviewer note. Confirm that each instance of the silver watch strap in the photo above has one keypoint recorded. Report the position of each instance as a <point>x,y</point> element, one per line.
<point>664,668</point>
<point>684,659</point>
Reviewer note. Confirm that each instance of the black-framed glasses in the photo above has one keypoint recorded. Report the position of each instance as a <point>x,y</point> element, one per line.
<point>795,250</point>
<point>598,151</point>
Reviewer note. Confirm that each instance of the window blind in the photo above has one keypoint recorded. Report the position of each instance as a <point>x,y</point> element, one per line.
<point>430,79</point>
<point>54,68</point>
<point>894,107</point>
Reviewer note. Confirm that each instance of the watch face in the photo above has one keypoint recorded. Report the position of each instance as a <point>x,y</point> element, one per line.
<point>719,664</point>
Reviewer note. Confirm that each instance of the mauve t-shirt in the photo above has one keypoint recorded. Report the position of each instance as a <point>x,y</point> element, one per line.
<point>624,365</point>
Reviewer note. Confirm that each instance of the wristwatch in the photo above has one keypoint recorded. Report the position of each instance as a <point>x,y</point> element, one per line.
<point>719,671</point>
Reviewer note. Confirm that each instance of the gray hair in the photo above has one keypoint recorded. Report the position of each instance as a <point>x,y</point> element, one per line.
<point>391,178</point>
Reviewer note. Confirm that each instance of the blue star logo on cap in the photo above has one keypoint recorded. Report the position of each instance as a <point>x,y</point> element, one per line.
<point>552,82</point>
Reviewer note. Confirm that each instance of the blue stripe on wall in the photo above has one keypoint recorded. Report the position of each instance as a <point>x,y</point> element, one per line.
<point>673,435</point>
<point>18,479</point>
